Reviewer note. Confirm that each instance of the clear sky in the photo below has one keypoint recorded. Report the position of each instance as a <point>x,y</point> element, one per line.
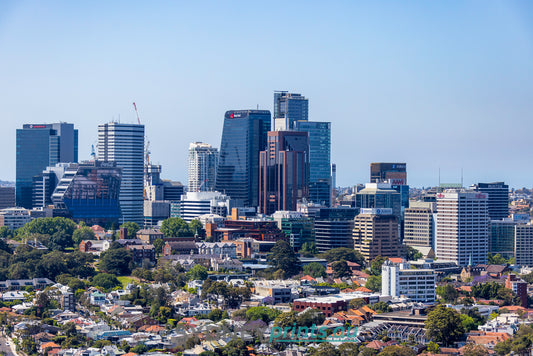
<point>435,84</point>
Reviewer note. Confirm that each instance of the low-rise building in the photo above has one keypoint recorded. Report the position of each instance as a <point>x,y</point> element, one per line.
<point>225,249</point>
<point>400,280</point>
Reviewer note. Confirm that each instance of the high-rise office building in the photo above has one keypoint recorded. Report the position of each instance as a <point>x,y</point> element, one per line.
<point>394,173</point>
<point>244,135</point>
<point>298,227</point>
<point>498,198</point>
<point>283,171</point>
<point>124,145</point>
<point>379,196</point>
<point>291,106</point>
<point>399,280</point>
<point>523,248</point>
<point>419,224</point>
<point>502,237</point>
<point>320,175</point>
<point>7,197</point>
<point>89,192</point>
<point>375,233</point>
<point>40,146</point>
<point>203,160</point>
<point>462,227</point>
<point>333,228</point>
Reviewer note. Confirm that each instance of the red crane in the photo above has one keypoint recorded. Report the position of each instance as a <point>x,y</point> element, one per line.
<point>138,120</point>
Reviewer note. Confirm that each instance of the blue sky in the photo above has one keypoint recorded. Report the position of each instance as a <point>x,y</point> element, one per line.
<point>444,85</point>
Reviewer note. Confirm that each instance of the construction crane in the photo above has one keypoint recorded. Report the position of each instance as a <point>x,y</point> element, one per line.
<point>201,185</point>
<point>136,112</point>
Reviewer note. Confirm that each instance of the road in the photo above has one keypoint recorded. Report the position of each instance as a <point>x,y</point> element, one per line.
<point>4,348</point>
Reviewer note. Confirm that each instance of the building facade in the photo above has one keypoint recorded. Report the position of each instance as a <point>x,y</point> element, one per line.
<point>462,233</point>
<point>498,203</point>
<point>320,180</point>
<point>123,144</point>
<point>89,192</point>
<point>244,135</point>
<point>7,197</point>
<point>298,227</point>
<point>400,280</point>
<point>195,204</point>
<point>40,146</point>
<point>14,218</point>
<point>523,248</point>
<point>502,237</point>
<point>419,224</point>
<point>290,106</point>
<point>333,228</point>
<point>375,233</point>
<point>379,196</point>
<point>283,171</point>
<point>395,173</point>
<point>203,161</point>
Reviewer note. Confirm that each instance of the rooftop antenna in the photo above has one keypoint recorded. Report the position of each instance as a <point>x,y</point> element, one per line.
<point>461,177</point>
<point>257,106</point>
<point>439,177</point>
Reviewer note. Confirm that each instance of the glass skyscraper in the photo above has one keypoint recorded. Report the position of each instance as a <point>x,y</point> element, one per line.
<point>203,161</point>
<point>40,146</point>
<point>244,135</point>
<point>319,159</point>
<point>124,145</point>
<point>294,107</point>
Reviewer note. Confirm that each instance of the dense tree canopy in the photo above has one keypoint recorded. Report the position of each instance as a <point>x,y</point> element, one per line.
<point>175,227</point>
<point>131,229</point>
<point>117,261</point>
<point>83,233</point>
<point>343,253</point>
<point>447,292</point>
<point>315,270</point>
<point>282,257</point>
<point>341,269</point>
<point>444,325</point>
<point>106,281</point>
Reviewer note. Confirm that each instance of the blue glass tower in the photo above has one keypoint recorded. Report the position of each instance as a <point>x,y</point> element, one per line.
<point>244,135</point>
<point>319,159</point>
<point>294,107</point>
<point>40,146</point>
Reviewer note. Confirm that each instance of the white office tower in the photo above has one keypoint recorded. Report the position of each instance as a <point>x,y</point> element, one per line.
<point>124,145</point>
<point>195,204</point>
<point>400,280</point>
<point>462,227</point>
<point>203,160</point>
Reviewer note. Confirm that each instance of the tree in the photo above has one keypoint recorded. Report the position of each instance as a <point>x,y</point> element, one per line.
<point>5,232</point>
<point>308,249</point>
<point>81,234</point>
<point>341,269</point>
<point>196,227</point>
<point>444,325</point>
<point>310,317</point>
<point>286,319</point>
<point>48,226</point>
<point>158,246</point>
<point>235,347</point>
<point>131,229</point>
<point>175,227</point>
<point>117,261</point>
<point>265,314</point>
<point>373,283</point>
<point>348,349</point>
<point>381,307</point>
<point>375,265</point>
<point>315,270</point>
<point>197,272</point>
<point>413,254</point>
<point>106,281</point>
<point>217,314</point>
<point>496,259</point>
<point>447,292</point>
<point>432,347</point>
<point>343,253</point>
<point>283,257</point>
<point>356,303</point>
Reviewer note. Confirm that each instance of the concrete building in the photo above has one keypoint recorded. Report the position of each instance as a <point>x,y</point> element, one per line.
<point>514,283</point>
<point>462,227</point>
<point>523,245</point>
<point>400,280</point>
<point>124,145</point>
<point>419,224</point>
<point>203,161</point>
<point>224,249</point>
<point>155,212</point>
<point>196,204</point>
<point>14,218</point>
<point>375,233</point>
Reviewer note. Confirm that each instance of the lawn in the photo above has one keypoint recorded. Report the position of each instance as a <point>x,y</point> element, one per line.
<point>125,281</point>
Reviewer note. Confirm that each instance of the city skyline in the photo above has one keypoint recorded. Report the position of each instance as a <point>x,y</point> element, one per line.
<point>442,85</point>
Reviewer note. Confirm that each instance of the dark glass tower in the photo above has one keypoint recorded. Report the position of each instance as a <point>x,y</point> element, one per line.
<point>319,159</point>
<point>498,198</point>
<point>294,107</point>
<point>40,146</point>
<point>283,171</point>
<point>244,135</point>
